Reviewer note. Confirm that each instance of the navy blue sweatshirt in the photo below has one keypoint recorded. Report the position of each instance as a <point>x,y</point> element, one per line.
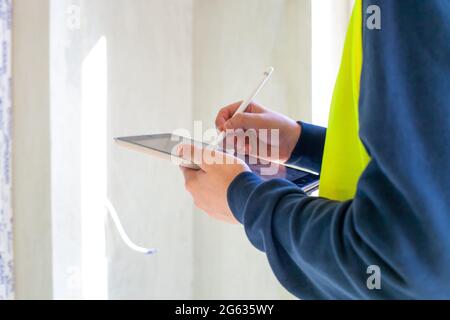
<point>399,219</point>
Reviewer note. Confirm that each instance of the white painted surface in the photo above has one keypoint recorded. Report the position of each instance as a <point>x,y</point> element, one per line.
<point>6,215</point>
<point>329,26</point>
<point>148,64</point>
<point>66,56</point>
<point>168,62</point>
<point>94,115</point>
<point>150,90</point>
<point>31,150</point>
<point>234,41</point>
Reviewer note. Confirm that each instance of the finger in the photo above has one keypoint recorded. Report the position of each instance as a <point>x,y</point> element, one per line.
<point>244,149</point>
<point>199,156</point>
<point>191,178</point>
<point>246,121</point>
<point>228,112</point>
<point>189,174</point>
<point>240,145</point>
<point>225,114</point>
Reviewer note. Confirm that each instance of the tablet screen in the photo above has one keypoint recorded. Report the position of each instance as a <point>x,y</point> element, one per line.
<point>167,144</point>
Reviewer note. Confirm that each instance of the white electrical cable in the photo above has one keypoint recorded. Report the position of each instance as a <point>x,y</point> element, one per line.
<point>123,234</point>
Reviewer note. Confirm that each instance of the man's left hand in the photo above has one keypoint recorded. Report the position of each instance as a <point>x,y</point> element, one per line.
<point>209,185</point>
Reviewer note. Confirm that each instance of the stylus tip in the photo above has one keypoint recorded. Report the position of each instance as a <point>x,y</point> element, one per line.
<point>269,71</point>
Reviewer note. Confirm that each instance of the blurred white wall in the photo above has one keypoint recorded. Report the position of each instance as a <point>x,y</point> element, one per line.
<point>149,91</point>
<point>31,150</point>
<point>163,72</point>
<point>234,42</point>
<point>166,64</point>
<point>147,49</point>
<point>330,20</point>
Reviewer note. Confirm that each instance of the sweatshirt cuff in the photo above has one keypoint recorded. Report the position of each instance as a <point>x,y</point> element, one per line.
<point>240,191</point>
<point>308,152</point>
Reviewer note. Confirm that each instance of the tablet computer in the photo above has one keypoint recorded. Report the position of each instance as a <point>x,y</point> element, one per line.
<point>165,145</point>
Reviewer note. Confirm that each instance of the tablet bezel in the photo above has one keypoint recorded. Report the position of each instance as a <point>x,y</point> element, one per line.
<point>132,143</point>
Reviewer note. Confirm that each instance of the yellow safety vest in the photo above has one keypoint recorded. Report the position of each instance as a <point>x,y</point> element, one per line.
<point>345,157</point>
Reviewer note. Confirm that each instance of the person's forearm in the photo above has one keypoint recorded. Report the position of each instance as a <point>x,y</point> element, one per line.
<point>399,219</point>
<point>308,152</point>
<point>322,249</point>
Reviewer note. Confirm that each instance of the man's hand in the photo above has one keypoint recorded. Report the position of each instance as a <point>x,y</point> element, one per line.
<point>209,185</point>
<point>256,118</point>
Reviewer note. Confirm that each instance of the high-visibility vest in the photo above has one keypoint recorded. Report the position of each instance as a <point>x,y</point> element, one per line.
<point>345,157</point>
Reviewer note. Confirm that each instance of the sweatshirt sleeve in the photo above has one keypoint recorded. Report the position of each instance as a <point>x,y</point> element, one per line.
<point>399,219</point>
<point>308,152</point>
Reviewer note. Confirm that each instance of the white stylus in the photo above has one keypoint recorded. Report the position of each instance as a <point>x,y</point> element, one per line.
<point>123,234</point>
<point>244,106</point>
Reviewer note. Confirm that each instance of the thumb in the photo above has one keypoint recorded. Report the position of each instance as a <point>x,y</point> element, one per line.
<point>196,155</point>
<point>246,121</point>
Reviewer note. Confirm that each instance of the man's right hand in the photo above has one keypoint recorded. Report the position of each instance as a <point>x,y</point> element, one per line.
<point>256,118</point>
